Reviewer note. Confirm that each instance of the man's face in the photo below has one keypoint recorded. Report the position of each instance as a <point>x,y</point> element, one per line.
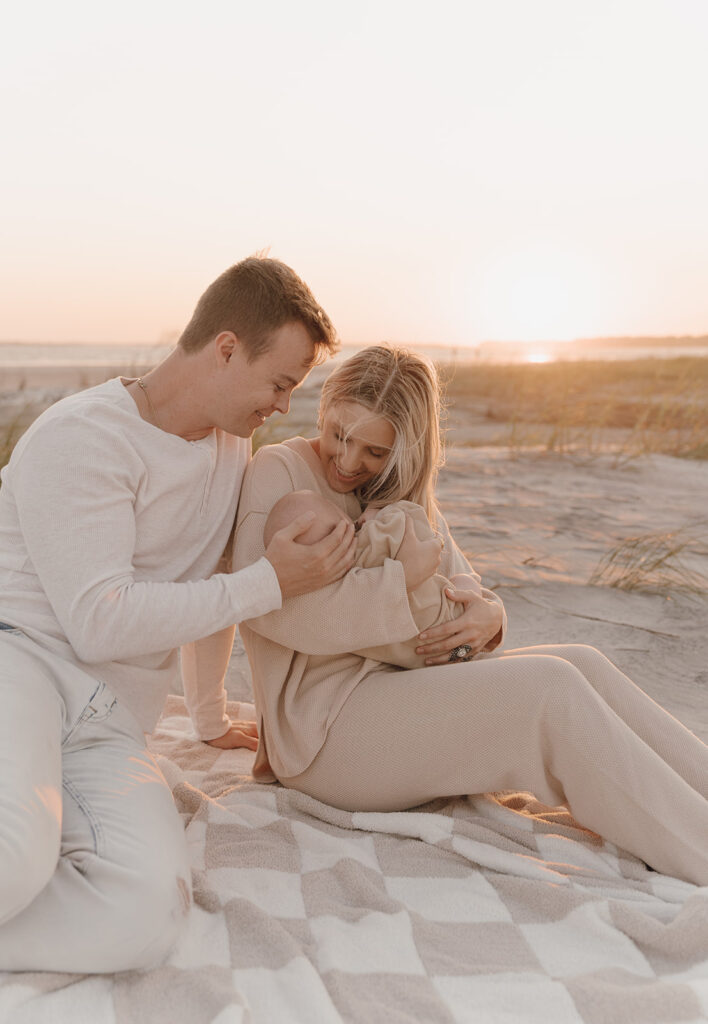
<point>250,392</point>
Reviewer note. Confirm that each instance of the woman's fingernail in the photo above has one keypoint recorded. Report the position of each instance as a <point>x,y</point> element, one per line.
<point>422,636</point>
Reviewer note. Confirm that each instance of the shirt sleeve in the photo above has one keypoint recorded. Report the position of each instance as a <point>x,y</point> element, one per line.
<point>75,491</point>
<point>454,563</point>
<point>365,608</point>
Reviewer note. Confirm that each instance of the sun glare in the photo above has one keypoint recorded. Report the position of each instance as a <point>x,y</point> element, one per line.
<point>538,357</point>
<point>537,293</point>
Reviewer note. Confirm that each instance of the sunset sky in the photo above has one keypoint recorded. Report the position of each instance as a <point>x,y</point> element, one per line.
<point>444,172</point>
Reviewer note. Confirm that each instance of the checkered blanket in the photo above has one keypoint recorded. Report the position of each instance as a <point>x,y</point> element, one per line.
<point>485,909</point>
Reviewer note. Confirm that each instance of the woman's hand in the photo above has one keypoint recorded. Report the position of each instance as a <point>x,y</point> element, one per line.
<point>301,568</point>
<point>480,623</point>
<point>420,558</point>
<point>239,734</point>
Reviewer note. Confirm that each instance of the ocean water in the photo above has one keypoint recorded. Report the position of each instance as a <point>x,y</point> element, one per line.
<point>42,354</point>
<point>123,357</point>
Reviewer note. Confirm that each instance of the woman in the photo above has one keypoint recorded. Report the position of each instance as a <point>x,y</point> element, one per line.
<point>561,721</point>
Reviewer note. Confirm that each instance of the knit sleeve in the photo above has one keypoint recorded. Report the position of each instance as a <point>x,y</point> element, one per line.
<point>74,486</point>
<point>454,563</point>
<point>366,608</point>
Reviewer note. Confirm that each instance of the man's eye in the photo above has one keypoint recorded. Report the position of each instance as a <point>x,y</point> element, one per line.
<point>279,387</point>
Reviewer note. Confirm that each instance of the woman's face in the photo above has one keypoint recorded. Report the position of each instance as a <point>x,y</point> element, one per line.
<point>369,439</point>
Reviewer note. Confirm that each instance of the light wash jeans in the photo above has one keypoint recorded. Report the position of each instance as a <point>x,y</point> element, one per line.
<point>94,871</point>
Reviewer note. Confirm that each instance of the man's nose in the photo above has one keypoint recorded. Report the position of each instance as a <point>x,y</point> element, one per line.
<point>282,403</point>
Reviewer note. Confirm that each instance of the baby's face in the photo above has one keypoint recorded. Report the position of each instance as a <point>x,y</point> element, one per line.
<point>370,512</point>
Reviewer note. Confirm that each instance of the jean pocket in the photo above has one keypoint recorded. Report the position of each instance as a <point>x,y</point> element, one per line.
<point>12,630</point>
<point>98,708</point>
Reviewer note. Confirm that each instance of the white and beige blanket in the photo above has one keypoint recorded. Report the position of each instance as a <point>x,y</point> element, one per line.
<point>492,909</point>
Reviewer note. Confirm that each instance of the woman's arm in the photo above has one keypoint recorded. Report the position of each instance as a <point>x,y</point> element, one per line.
<point>365,608</point>
<point>482,624</point>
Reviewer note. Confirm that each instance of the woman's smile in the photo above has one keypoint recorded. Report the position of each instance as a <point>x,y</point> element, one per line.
<point>354,445</point>
<point>346,478</point>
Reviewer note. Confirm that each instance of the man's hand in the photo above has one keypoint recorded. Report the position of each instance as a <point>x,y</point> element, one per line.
<point>479,623</point>
<point>301,568</point>
<point>420,558</point>
<point>239,734</point>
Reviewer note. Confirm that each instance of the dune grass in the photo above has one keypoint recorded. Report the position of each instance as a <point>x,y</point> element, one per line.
<point>10,433</point>
<point>271,432</point>
<point>655,562</point>
<point>634,407</point>
<point>630,407</point>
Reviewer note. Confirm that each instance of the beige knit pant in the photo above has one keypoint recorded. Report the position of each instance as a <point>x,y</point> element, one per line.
<point>561,721</point>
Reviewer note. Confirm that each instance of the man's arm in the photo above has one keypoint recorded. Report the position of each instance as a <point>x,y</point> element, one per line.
<point>75,504</point>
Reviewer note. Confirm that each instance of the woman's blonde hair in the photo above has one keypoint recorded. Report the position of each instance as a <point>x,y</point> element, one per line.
<point>402,387</point>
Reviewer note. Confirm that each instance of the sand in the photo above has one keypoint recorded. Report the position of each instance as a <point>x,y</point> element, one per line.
<point>25,391</point>
<point>536,526</point>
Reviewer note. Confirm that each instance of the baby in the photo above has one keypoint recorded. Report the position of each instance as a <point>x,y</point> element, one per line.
<point>380,535</point>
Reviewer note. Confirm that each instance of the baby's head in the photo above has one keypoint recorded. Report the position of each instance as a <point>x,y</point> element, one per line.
<point>294,504</point>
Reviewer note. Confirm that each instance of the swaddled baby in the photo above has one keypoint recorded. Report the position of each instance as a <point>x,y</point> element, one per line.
<point>380,535</point>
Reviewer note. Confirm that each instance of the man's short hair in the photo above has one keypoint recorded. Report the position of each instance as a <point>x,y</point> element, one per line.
<point>253,299</point>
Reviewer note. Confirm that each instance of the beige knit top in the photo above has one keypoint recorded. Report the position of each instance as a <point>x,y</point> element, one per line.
<point>381,538</point>
<point>307,657</point>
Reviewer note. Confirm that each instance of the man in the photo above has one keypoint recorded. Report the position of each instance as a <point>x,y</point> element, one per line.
<point>115,512</point>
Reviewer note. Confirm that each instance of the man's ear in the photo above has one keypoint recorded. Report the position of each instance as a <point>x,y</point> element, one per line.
<point>225,345</point>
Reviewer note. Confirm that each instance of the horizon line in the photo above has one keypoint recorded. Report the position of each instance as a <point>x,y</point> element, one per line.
<point>605,338</point>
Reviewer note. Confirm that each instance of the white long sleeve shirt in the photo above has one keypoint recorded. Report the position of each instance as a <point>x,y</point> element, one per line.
<point>111,532</point>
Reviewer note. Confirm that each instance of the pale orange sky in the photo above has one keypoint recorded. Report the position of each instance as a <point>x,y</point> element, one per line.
<point>438,172</point>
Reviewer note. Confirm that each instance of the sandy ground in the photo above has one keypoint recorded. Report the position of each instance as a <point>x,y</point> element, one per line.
<point>25,391</point>
<point>536,526</point>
